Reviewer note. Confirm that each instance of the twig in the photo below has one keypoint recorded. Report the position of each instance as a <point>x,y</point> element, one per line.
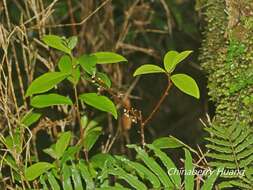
<point>158,104</point>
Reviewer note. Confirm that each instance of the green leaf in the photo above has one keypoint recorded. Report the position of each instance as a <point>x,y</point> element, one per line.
<point>208,185</point>
<point>37,169</point>
<point>45,82</point>
<point>62,143</point>
<point>168,60</point>
<point>104,79</point>
<point>169,164</point>
<point>153,166</point>
<point>30,118</point>
<point>91,137</point>
<point>109,57</point>
<point>65,64</point>
<point>76,178</point>
<point>67,185</point>
<point>42,101</point>
<point>56,42</point>
<point>172,58</point>
<point>100,102</point>
<point>86,175</point>
<point>88,63</point>
<point>189,179</point>
<point>166,142</point>
<point>51,152</point>
<point>186,84</point>
<point>71,42</point>
<point>129,178</point>
<point>147,69</point>
<point>53,182</point>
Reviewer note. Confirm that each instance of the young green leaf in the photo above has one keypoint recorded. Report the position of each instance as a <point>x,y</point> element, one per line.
<point>76,178</point>
<point>109,57</point>
<point>86,175</point>
<point>65,65</point>
<point>51,151</point>
<point>186,84</point>
<point>100,102</point>
<point>71,42</point>
<point>37,169</point>
<point>56,42</point>
<point>188,178</point>
<point>104,79</point>
<point>30,118</point>
<point>168,60</point>
<point>172,58</point>
<point>166,142</point>
<point>45,82</point>
<point>42,101</point>
<point>88,63</point>
<point>147,69</point>
<point>62,143</point>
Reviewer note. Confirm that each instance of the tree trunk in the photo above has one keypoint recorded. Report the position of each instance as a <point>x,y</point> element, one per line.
<point>227,57</point>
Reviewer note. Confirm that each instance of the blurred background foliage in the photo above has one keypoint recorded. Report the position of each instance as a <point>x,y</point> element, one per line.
<point>141,30</point>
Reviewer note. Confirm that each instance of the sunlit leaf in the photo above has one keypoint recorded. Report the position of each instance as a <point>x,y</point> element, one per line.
<point>147,69</point>
<point>109,57</point>
<point>172,58</point>
<point>62,143</point>
<point>56,42</point>
<point>64,64</point>
<point>42,101</point>
<point>100,102</point>
<point>37,169</point>
<point>186,84</point>
<point>45,82</point>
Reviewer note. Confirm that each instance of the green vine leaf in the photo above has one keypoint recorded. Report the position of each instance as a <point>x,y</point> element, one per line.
<point>172,58</point>
<point>37,169</point>
<point>56,42</point>
<point>45,82</point>
<point>100,102</point>
<point>186,84</point>
<point>166,142</point>
<point>109,57</point>
<point>42,101</point>
<point>147,69</point>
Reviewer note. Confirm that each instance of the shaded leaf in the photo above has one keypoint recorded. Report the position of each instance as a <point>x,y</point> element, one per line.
<point>71,42</point>
<point>88,63</point>
<point>104,78</point>
<point>30,118</point>
<point>166,142</point>
<point>91,137</point>
<point>188,179</point>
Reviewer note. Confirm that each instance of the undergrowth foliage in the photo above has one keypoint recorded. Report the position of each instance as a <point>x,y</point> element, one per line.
<point>73,168</point>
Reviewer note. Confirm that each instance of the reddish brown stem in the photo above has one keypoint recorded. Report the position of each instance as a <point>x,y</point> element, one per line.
<point>154,111</point>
